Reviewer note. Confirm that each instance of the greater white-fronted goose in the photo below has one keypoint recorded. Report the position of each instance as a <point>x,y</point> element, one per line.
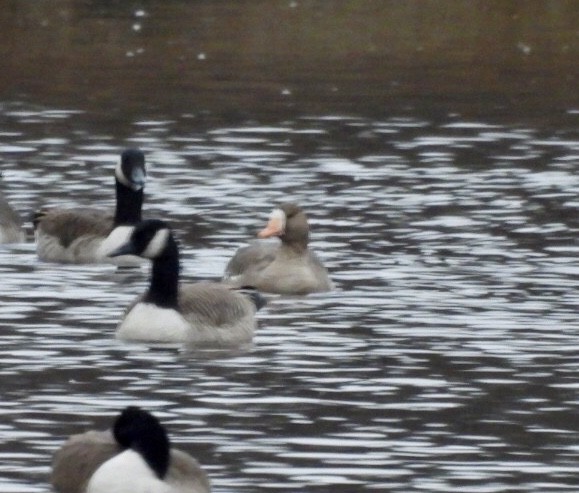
<point>285,267</point>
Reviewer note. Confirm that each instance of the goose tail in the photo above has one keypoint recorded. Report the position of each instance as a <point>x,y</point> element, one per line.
<point>254,295</point>
<point>38,215</point>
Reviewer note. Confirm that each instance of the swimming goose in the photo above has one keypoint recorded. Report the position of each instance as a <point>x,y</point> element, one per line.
<point>134,456</point>
<point>285,267</point>
<point>10,224</point>
<point>87,235</point>
<point>202,313</point>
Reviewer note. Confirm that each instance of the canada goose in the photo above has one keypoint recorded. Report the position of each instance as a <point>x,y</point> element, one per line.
<point>10,224</point>
<point>86,235</point>
<point>202,313</point>
<point>285,267</point>
<point>135,456</point>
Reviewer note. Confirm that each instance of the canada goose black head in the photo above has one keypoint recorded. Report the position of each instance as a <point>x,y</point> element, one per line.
<point>151,238</point>
<point>131,171</point>
<point>140,431</point>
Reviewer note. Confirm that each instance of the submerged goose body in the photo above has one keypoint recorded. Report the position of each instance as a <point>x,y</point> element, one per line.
<point>202,313</point>
<point>11,230</point>
<point>134,457</point>
<point>287,266</point>
<point>87,235</point>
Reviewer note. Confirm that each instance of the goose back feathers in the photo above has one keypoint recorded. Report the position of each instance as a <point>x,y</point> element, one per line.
<point>87,235</point>
<point>286,266</point>
<point>203,313</point>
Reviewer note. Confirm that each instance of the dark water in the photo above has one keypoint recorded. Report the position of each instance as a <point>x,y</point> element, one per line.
<point>447,358</point>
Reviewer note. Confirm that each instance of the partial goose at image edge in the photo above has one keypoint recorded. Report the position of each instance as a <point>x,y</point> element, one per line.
<point>76,463</point>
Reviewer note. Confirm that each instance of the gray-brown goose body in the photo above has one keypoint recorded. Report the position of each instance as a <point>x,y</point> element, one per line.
<point>285,267</point>
<point>86,235</point>
<point>92,460</point>
<point>199,314</point>
<point>11,230</point>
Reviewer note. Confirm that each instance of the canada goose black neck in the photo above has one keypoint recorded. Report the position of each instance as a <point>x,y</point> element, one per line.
<point>141,431</point>
<point>164,287</point>
<point>129,205</point>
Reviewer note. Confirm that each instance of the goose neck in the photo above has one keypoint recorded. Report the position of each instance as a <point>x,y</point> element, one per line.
<point>129,204</point>
<point>155,451</point>
<point>164,286</point>
<point>293,248</point>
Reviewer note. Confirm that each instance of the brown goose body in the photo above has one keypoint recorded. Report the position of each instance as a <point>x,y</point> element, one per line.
<point>286,266</point>
<point>207,314</point>
<point>81,455</point>
<point>86,235</point>
<point>72,235</point>
<point>199,314</point>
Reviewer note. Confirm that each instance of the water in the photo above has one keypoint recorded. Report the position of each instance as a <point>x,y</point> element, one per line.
<point>447,357</point>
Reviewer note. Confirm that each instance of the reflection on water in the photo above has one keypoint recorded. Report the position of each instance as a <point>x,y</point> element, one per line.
<point>446,359</point>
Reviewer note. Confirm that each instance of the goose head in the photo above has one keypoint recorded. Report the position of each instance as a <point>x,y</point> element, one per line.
<point>140,431</point>
<point>131,171</point>
<point>289,222</point>
<point>151,238</point>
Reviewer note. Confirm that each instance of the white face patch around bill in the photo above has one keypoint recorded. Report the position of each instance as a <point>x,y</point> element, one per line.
<point>120,176</point>
<point>117,237</point>
<point>278,217</point>
<point>157,244</point>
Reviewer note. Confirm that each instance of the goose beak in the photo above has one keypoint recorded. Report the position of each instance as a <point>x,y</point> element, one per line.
<point>126,249</point>
<point>138,179</point>
<point>275,225</point>
<point>274,228</point>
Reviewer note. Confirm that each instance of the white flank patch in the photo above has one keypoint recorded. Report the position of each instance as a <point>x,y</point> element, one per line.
<point>157,244</point>
<point>49,248</point>
<point>127,472</point>
<point>148,322</point>
<point>83,250</point>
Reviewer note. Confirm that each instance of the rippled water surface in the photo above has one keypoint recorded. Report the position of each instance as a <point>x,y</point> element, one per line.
<point>446,359</point>
<point>434,146</point>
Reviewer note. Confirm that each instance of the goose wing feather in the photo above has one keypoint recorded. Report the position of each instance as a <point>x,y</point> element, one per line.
<point>254,257</point>
<point>213,304</point>
<point>81,455</point>
<point>69,224</point>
